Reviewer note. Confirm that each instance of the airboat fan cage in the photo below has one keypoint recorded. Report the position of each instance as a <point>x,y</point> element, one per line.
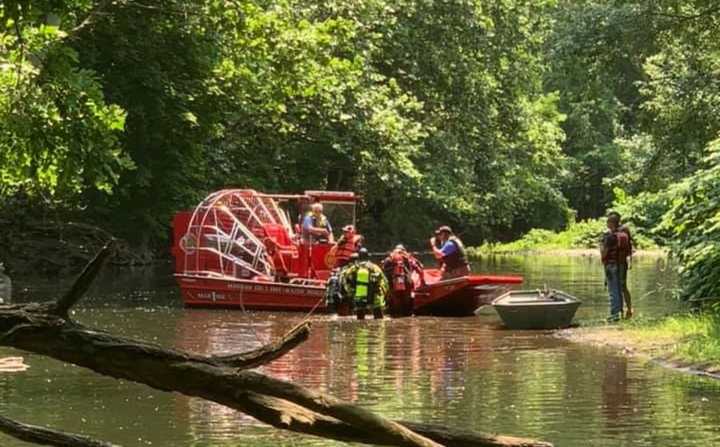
<point>227,232</point>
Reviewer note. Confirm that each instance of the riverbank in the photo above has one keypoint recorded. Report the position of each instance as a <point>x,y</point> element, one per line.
<point>685,342</point>
<point>579,239</point>
<point>574,252</point>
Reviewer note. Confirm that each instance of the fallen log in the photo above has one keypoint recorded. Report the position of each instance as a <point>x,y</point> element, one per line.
<point>46,436</point>
<point>46,329</point>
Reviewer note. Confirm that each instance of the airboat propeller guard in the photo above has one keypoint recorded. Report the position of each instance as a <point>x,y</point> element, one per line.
<point>226,231</point>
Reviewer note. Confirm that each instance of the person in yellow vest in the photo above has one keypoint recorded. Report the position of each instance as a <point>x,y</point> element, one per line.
<point>316,226</point>
<point>364,283</point>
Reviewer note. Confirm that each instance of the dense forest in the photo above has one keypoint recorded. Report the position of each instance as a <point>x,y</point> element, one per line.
<point>494,116</point>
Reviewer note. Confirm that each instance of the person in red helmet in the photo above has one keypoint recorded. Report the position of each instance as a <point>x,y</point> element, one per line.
<point>451,252</point>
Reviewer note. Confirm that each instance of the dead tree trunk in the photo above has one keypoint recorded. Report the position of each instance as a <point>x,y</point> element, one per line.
<point>45,436</point>
<point>46,329</point>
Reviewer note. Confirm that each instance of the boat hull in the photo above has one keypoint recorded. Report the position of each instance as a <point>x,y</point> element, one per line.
<point>455,297</point>
<point>529,310</point>
<point>459,297</point>
<point>250,295</point>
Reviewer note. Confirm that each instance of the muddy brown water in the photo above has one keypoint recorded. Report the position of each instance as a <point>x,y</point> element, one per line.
<point>463,372</point>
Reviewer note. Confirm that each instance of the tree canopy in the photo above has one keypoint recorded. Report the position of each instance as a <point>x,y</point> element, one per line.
<point>495,117</point>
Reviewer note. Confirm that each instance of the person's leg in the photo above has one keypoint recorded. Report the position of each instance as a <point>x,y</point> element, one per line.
<point>625,292</point>
<point>612,275</point>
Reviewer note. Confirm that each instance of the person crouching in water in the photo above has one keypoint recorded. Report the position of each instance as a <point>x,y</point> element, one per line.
<point>451,252</point>
<point>364,283</point>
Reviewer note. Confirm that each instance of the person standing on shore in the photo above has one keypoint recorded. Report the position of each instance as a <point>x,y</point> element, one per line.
<point>625,264</point>
<point>615,250</point>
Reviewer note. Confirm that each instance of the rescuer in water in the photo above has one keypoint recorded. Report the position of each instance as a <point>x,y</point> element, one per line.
<point>349,243</point>
<point>364,283</point>
<point>451,252</point>
<point>398,267</point>
<point>316,226</point>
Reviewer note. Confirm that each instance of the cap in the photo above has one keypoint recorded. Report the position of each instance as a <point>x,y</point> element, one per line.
<point>400,247</point>
<point>347,228</point>
<point>445,229</point>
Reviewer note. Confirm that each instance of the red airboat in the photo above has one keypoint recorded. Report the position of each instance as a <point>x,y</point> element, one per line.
<point>239,249</point>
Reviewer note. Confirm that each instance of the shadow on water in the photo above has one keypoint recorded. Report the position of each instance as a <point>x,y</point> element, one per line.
<point>465,372</point>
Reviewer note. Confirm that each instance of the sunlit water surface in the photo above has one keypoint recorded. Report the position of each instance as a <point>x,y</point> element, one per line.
<point>461,372</point>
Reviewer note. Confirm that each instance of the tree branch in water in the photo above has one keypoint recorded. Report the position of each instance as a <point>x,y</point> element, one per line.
<point>46,436</point>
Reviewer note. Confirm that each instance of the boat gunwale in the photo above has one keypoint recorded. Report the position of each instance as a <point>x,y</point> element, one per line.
<point>244,281</point>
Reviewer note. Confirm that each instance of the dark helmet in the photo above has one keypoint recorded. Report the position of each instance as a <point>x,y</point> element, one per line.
<point>363,253</point>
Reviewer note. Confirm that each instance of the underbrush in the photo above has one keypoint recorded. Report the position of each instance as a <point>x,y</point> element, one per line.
<point>580,235</point>
<point>695,339</point>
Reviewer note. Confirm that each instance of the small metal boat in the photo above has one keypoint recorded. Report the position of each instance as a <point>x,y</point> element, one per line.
<point>536,309</point>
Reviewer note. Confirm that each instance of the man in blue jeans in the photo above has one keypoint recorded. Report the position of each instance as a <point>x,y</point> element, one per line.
<point>613,249</point>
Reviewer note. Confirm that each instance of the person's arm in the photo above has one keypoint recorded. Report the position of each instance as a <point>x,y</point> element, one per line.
<point>603,246</point>
<point>448,248</point>
<point>419,269</point>
<point>328,228</point>
<point>436,251</point>
<point>308,227</point>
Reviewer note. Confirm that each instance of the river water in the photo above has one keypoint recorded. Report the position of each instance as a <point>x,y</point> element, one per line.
<point>462,372</point>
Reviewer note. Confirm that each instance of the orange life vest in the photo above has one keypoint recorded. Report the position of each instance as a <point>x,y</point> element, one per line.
<point>345,248</point>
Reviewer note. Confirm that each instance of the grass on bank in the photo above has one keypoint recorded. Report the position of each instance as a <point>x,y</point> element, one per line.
<point>580,235</point>
<point>685,340</point>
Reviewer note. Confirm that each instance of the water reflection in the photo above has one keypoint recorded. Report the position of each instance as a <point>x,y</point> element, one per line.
<point>465,372</point>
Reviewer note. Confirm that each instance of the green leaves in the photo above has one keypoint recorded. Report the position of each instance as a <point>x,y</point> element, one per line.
<point>58,136</point>
<point>694,222</point>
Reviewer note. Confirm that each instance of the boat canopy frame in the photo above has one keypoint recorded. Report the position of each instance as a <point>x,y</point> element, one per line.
<point>227,232</point>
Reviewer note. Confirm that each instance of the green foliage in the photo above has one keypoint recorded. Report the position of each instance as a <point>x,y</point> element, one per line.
<point>580,235</point>
<point>687,339</point>
<point>494,117</point>
<point>58,135</point>
<point>585,234</point>
<point>694,222</point>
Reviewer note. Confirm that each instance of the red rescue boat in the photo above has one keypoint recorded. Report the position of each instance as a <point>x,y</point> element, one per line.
<point>238,249</point>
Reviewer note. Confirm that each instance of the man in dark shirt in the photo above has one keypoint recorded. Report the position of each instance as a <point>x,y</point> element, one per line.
<point>614,250</point>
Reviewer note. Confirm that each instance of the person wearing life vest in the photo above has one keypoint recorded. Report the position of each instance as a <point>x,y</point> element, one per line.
<point>451,252</point>
<point>615,249</point>
<point>364,283</point>
<point>316,226</point>
<point>349,243</point>
<point>399,267</point>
